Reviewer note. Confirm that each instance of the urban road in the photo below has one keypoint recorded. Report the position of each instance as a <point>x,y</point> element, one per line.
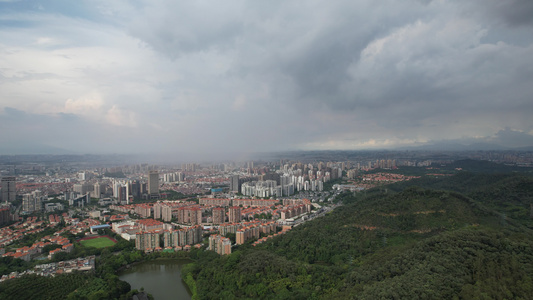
<point>321,212</point>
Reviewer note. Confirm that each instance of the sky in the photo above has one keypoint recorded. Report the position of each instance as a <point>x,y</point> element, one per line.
<point>253,76</point>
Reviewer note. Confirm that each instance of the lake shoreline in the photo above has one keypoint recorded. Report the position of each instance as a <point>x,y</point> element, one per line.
<point>158,275</point>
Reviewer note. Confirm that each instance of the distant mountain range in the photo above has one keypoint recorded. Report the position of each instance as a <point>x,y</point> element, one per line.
<point>30,148</point>
<point>454,146</point>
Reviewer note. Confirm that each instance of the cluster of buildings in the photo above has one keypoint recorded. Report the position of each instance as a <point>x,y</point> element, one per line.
<point>31,202</point>
<point>367,181</point>
<point>280,185</point>
<point>153,235</point>
<point>237,202</point>
<point>266,189</point>
<point>20,229</point>
<point>222,210</point>
<point>186,212</point>
<point>244,232</point>
<point>75,225</point>
<point>173,177</point>
<point>176,239</point>
<point>182,237</point>
<point>219,244</point>
<point>143,210</point>
<point>254,231</point>
<point>387,177</point>
<point>295,210</point>
<point>266,238</point>
<point>77,194</point>
<point>191,215</point>
<point>124,191</point>
<point>52,269</point>
<point>28,253</point>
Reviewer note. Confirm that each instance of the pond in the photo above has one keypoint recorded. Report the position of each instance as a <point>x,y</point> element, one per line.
<point>160,277</point>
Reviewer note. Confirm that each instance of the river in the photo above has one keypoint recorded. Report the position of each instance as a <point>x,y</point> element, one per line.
<point>160,277</point>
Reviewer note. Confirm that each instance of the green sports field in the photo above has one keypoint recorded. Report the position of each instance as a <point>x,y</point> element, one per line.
<point>100,242</point>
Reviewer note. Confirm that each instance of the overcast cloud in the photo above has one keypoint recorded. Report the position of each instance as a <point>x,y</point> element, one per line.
<point>248,76</point>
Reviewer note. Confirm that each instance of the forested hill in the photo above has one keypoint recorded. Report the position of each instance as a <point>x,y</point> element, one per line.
<point>379,219</point>
<point>509,194</point>
<point>395,242</point>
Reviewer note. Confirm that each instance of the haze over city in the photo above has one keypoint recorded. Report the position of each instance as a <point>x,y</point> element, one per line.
<point>239,76</point>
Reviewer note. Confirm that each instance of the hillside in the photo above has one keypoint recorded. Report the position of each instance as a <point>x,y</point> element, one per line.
<point>509,194</point>
<point>377,220</point>
<point>418,242</point>
<point>467,263</point>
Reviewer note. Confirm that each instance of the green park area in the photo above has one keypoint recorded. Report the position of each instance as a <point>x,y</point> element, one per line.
<point>100,242</point>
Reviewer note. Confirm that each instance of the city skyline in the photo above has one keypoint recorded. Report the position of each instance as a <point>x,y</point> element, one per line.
<point>240,77</point>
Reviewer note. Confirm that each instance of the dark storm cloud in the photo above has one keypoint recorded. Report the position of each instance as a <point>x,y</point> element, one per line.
<point>513,12</point>
<point>255,76</point>
<point>512,138</point>
<point>178,28</point>
<point>415,66</point>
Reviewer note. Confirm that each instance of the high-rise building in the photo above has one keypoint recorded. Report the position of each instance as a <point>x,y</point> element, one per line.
<point>9,189</point>
<point>219,244</point>
<point>32,201</point>
<point>180,177</point>
<point>219,215</point>
<point>147,241</point>
<point>190,215</point>
<point>136,189</point>
<point>153,183</point>
<point>166,213</point>
<point>83,188</point>
<point>158,207</point>
<point>234,183</point>
<point>195,216</point>
<point>97,191</point>
<point>5,215</point>
<point>234,214</point>
<point>122,196</point>
<point>143,188</point>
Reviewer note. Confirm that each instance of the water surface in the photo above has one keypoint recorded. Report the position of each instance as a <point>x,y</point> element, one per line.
<point>161,278</point>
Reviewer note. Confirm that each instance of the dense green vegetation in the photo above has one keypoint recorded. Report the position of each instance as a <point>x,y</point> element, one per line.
<point>480,166</point>
<point>39,287</point>
<point>72,286</point>
<point>9,264</point>
<point>328,186</point>
<point>457,237</point>
<point>103,283</point>
<point>511,195</point>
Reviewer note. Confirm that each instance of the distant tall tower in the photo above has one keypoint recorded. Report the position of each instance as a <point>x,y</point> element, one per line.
<point>97,192</point>
<point>153,183</point>
<point>9,189</point>
<point>234,183</point>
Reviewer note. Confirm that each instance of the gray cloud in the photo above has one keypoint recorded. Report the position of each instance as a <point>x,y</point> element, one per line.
<point>512,138</point>
<point>513,12</point>
<point>179,28</point>
<point>245,76</point>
